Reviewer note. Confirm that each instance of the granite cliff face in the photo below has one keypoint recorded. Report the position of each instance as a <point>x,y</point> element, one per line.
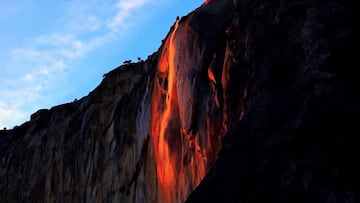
<point>297,140</point>
<point>245,101</point>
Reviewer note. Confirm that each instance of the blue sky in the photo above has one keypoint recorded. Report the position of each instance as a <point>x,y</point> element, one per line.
<point>52,52</point>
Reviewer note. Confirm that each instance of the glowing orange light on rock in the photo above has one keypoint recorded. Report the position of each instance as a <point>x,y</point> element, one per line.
<point>184,145</point>
<point>207,1</point>
<point>164,163</point>
<point>211,75</point>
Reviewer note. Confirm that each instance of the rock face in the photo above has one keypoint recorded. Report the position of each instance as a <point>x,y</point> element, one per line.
<point>188,102</point>
<point>297,140</point>
<point>271,85</point>
<point>95,149</point>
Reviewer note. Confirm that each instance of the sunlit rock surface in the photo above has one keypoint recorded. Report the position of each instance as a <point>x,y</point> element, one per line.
<point>256,96</point>
<point>188,102</point>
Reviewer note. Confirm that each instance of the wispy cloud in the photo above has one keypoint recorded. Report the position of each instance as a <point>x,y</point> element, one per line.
<point>35,68</point>
<point>10,115</point>
<point>24,93</point>
<point>125,9</point>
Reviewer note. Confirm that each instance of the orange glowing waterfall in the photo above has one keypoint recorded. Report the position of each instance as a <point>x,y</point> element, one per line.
<point>184,148</point>
<point>166,170</point>
<point>160,122</point>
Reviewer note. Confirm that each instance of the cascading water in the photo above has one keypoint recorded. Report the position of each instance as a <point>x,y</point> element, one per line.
<point>187,106</point>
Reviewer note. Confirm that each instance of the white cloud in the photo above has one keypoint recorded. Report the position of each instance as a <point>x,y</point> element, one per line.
<point>128,5</point>
<point>29,78</point>
<point>93,24</point>
<point>86,24</point>
<point>125,10</point>
<point>25,94</point>
<point>55,39</point>
<point>36,67</point>
<point>10,116</point>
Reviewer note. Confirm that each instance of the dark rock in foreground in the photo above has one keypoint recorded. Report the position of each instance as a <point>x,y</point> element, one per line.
<point>297,141</point>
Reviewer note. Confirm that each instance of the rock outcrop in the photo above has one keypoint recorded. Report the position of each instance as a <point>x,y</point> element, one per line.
<point>245,101</point>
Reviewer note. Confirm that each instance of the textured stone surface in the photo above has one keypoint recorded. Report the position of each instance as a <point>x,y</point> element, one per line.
<point>297,140</point>
<point>95,149</point>
<point>271,85</point>
<point>188,107</point>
